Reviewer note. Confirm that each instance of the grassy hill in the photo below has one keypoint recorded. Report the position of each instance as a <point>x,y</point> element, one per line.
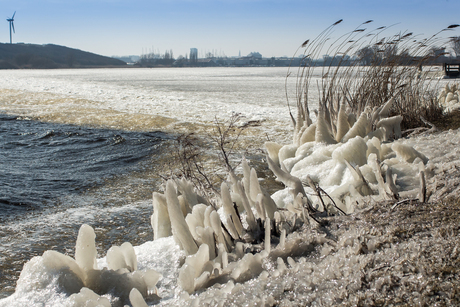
<point>51,56</point>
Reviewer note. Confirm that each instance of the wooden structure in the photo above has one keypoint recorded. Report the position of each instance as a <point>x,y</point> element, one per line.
<point>452,70</point>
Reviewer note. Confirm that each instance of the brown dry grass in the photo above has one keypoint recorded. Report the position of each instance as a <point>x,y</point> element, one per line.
<point>448,121</point>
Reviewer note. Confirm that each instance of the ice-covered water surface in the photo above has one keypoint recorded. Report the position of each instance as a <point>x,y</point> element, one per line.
<point>145,99</point>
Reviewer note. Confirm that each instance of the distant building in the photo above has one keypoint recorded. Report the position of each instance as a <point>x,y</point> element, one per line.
<point>193,55</point>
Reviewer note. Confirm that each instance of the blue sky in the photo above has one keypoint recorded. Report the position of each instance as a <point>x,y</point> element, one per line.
<point>273,28</point>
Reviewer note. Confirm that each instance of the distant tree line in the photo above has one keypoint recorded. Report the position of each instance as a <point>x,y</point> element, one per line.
<point>154,59</point>
<point>387,52</point>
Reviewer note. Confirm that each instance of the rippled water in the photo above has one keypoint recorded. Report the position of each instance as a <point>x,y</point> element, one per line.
<point>53,174</point>
<point>42,162</point>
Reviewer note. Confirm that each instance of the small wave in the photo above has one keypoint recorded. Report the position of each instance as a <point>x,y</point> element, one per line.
<point>47,134</point>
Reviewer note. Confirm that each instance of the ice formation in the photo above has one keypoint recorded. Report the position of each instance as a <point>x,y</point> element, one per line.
<point>83,281</point>
<point>332,168</point>
<point>449,97</point>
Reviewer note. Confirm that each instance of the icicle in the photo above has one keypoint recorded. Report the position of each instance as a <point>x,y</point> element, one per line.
<point>86,297</point>
<point>151,278</point>
<point>390,183</point>
<point>207,216</point>
<point>359,128</point>
<point>130,256</point>
<point>229,210</point>
<point>297,125</point>
<point>160,218</point>
<point>217,228</point>
<point>323,134</point>
<point>282,238</point>
<point>115,258</point>
<point>136,299</point>
<point>187,189</point>
<point>385,111</point>
<point>206,236</point>
<point>246,180</point>
<point>342,123</point>
<point>186,279</point>
<point>196,218</point>
<point>254,185</point>
<point>269,205</point>
<point>372,161</point>
<point>250,219</point>
<point>267,242</point>
<point>85,248</point>
<point>308,135</point>
<point>273,150</point>
<point>281,266</point>
<point>180,228</point>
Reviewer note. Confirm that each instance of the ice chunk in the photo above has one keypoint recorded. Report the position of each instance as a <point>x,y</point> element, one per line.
<point>86,297</point>
<point>136,299</point>
<point>71,277</point>
<point>196,219</point>
<point>354,151</point>
<point>392,126</point>
<point>116,259</point>
<point>287,151</point>
<point>187,189</point>
<point>408,153</point>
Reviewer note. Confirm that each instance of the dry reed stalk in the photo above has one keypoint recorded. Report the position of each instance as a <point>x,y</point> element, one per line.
<point>367,69</point>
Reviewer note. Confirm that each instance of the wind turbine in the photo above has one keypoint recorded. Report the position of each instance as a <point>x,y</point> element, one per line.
<point>11,21</point>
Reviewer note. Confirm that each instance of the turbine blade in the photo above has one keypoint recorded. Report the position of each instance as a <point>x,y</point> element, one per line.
<point>13,27</point>
<point>13,15</point>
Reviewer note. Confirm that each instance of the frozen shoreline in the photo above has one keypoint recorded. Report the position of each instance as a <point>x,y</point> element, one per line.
<point>343,262</point>
<point>374,255</point>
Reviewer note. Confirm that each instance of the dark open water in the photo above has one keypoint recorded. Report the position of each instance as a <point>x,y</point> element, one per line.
<point>53,177</point>
<point>40,162</point>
